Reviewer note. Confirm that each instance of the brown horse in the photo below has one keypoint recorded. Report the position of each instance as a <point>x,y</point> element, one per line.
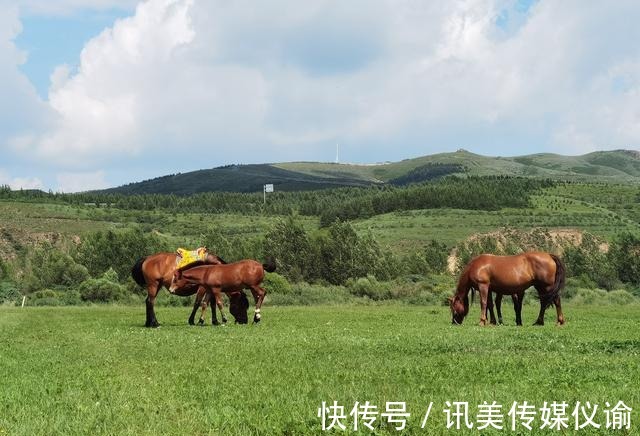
<point>156,271</point>
<point>228,278</point>
<point>510,275</point>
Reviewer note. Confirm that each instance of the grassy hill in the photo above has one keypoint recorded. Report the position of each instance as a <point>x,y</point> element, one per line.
<point>618,166</point>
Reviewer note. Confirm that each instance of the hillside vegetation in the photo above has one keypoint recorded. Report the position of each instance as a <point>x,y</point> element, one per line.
<point>619,166</point>
<point>380,243</point>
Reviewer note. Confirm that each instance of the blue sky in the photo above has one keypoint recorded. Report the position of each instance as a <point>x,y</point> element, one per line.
<point>98,93</point>
<point>59,39</point>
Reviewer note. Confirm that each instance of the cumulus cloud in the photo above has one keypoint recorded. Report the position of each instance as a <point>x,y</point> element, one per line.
<point>21,110</point>
<point>20,182</point>
<point>195,82</point>
<point>81,181</point>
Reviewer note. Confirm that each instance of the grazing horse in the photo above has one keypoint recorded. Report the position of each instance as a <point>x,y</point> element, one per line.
<point>228,278</point>
<point>156,271</point>
<point>510,275</point>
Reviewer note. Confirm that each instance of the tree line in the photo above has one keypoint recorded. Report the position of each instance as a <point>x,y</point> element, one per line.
<point>98,270</point>
<point>475,193</point>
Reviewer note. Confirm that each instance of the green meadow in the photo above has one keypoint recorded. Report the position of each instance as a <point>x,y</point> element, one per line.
<point>96,370</point>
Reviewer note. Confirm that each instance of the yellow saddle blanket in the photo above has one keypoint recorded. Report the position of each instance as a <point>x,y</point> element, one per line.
<point>187,257</point>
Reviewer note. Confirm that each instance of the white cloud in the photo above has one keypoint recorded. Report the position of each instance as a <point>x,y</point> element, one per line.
<point>194,82</point>
<point>81,181</point>
<point>20,182</point>
<point>21,110</point>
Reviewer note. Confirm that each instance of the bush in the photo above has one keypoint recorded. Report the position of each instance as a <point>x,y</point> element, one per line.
<point>103,290</point>
<point>620,297</point>
<point>49,267</point>
<point>117,250</point>
<point>274,283</point>
<point>590,296</point>
<point>9,292</point>
<point>369,287</point>
<point>44,297</point>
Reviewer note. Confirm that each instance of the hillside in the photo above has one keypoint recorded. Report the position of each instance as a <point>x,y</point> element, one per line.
<point>618,166</point>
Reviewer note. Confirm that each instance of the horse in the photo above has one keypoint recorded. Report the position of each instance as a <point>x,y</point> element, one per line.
<point>510,275</point>
<point>227,278</point>
<point>156,271</point>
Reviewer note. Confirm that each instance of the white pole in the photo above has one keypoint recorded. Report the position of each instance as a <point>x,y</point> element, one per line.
<point>24,298</point>
<point>264,194</point>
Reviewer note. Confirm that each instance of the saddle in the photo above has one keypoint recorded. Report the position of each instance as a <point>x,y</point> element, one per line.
<point>187,257</point>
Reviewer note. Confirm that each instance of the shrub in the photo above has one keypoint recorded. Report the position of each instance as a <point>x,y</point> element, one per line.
<point>104,289</point>
<point>49,267</point>
<point>274,283</point>
<point>620,297</point>
<point>9,292</point>
<point>369,287</point>
<point>44,297</point>
<point>590,296</point>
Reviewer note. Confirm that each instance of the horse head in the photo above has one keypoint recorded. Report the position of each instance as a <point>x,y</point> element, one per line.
<point>177,281</point>
<point>238,307</point>
<point>459,308</point>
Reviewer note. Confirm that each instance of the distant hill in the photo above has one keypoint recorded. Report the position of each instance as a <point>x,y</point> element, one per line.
<point>618,166</point>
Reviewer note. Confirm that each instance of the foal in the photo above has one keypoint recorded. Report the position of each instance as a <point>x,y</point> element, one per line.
<point>229,278</point>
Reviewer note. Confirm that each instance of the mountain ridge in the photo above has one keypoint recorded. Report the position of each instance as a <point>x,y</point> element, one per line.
<point>617,166</point>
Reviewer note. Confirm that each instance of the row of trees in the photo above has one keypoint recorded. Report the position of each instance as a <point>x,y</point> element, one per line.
<point>476,193</point>
<point>99,268</point>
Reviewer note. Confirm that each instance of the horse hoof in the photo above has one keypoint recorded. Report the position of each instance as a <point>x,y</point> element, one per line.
<point>191,322</point>
<point>224,320</point>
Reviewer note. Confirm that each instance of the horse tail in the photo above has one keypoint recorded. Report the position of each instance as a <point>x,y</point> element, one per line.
<point>136,272</point>
<point>558,283</point>
<point>270,266</point>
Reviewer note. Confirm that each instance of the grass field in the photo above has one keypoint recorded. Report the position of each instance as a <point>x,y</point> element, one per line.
<point>96,370</point>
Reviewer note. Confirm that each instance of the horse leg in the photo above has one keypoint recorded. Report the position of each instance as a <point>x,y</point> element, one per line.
<point>517,306</point>
<point>196,304</point>
<point>492,316</point>
<point>203,306</point>
<point>217,293</point>
<point>483,289</point>
<point>214,318</point>
<point>499,307</point>
<point>152,293</point>
<point>559,311</point>
<point>258,296</point>
<point>541,291</point>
